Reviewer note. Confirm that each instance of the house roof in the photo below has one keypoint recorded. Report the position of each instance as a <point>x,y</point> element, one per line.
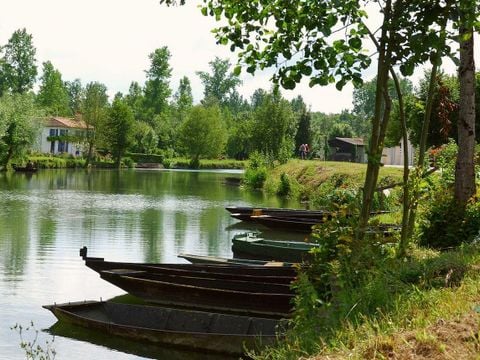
<point>354,141</point>
<point>62,122</point>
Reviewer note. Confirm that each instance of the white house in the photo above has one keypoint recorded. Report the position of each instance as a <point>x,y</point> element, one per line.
<point>63,135</point>
<point>394,155</point>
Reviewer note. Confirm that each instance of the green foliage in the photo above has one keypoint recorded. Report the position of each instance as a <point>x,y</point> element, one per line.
<point>239,142</point>
<point>94,113</point>
<point>117,134</point>
<point>18,68</point>
<point>324,60</point>
<point>128,162</point>
<point>33,350</point>
<point>444,224</point>
<point>274,128</point>
<point>337,191</point>
<point>221,83</point>
<point>18,126</point>
<point>441,128</point>
<point>53,95</point>
<point>145,138</point>
<point>76,94</point>
<point>145,158</point>
<point>157,88</point>
<point>57,162</point>
<point>285,186</point>
<point>183,99</point>
<point>445,158</point>
<point>203,133</point>
<point>256,172</point>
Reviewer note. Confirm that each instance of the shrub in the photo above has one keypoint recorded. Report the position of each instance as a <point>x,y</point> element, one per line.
<point>128,162</point>
<point>444,225</point>
<point>285,187</point>
<point>194,163</point>
<point>256,172</point>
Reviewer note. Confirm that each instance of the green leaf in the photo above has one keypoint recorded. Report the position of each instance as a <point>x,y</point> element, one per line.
<point>355,43</point>
<point>237,70</point>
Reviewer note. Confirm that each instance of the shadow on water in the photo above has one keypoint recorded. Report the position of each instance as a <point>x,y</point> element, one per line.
<point>146,350</point>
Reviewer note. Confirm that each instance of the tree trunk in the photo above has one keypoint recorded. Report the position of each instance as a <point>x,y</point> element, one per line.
<point>465,168</point>
<point>406,195</point>
<point>419,171</point>
<point>378,125</point>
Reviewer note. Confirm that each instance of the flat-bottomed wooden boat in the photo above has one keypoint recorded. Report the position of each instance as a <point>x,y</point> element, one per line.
<point>202,331</point>
<point>226,296</point>
<point>245,245</point>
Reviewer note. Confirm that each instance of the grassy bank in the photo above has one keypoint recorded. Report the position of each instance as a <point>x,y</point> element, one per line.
<point>317,181</point>
<point>423,307</point>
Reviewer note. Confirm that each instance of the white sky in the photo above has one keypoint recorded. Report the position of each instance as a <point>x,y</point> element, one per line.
<point>109,41</point>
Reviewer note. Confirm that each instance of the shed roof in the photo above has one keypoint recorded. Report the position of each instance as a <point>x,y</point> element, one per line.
<point>354,141</point>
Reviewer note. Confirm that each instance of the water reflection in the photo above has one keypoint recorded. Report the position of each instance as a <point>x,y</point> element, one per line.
<point>120,215</point>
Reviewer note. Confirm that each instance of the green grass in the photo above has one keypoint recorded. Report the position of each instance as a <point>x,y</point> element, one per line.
<point>324,182</point>
<point>406,301</point>
<point>184,163</point>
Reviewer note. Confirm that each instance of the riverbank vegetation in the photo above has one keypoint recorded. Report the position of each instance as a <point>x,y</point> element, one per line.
<point>366,295</point>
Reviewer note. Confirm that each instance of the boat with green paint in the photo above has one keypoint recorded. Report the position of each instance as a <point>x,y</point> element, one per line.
<point>248,245</point>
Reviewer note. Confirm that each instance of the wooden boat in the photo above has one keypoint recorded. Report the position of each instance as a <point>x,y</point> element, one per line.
<point>246,245</point>
<point>273,274</point>
<point>225,296</point>
<point>287,223</point>
<point>246,213</point>
<point>148,350</point>
<point>280,212</point>
<point>201,259</point>
<point>202,331</point>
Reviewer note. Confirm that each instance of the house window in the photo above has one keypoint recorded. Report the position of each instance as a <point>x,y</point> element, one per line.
<point>53,132</point>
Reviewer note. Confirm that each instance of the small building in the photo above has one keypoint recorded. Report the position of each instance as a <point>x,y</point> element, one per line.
<point>347,149</point>
<point>62,135</point>
<point>394,155</point>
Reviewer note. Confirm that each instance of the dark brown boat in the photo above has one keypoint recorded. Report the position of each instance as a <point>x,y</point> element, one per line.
<point>217,295</point>
<point>201,259</point>
<point>244,212</point>
<point>269,274</point>
<point>287,223</point>
<point>202,331</point>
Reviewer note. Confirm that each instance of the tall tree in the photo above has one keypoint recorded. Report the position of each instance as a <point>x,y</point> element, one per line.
<point>135,99</point>
<point>305,43</point>
<point>157,87</point>
<point>203,133</point>
<point>183,98</point>
<point>221,82</point>
<point>94,111</point>
<point>53,95</point>
<point>19,68</point>
<point>465,166</point>
<point>118,132</point>
<point>76,93</point>
<point>274,127</point>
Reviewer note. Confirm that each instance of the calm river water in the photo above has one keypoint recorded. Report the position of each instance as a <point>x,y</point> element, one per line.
<point>131,215</point>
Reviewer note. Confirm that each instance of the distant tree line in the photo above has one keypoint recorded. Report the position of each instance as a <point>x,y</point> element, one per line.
<point>153,119</point>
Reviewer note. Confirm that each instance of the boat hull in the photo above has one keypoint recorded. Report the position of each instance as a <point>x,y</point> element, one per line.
<point>219,298</point>
<point>256,248</point>
<point>201,331</point>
